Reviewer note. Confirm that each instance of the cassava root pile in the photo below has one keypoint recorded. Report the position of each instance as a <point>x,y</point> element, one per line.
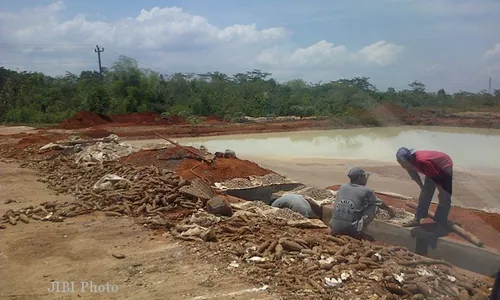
<point>302,264</point>
<point>147,191</point>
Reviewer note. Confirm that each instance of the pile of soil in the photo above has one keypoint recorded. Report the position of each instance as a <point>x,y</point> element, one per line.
<point>32,143</point>
<point>136,118</point>
<point>84,119</point>
<point>484,225</point>
<point>221,169</point>
<point>185,163</point>
<point>33,140</point>
<point>169,158</point>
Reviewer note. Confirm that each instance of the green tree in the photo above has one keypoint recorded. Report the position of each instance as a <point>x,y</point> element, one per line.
<point>98,100</point>
<point>417,87</point>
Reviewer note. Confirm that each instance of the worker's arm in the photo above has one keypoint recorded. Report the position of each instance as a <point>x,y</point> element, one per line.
<point>316,208</point>
<point>413,174</point>
<point>377,201</point>
<point>387,208</point>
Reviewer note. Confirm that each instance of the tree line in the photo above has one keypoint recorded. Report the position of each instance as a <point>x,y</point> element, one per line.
<point>32,97</point>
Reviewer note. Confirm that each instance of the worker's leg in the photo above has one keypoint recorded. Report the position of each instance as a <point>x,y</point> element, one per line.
<point>424,201</point>
<point>445,188</point>
<point>425,198</point>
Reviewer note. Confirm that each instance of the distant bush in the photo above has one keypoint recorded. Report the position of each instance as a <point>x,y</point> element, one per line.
<point>32,116</point>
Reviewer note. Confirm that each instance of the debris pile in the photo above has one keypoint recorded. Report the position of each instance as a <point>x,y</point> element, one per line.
<point>401,217</point>
<point>92,151</point>
<point>253,181</point>
<point>283,216</point>
<point>316,193</point>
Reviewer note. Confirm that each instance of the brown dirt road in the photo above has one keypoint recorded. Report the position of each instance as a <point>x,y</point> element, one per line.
<point>80,250</point>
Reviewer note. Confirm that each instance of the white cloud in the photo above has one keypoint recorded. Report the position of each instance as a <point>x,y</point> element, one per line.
<point>381,53</point>
<point>153,29</point>
<point>168,38</point>
<point>326,54</point>
<point>495,51</point>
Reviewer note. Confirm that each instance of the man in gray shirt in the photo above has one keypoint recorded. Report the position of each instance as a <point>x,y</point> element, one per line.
<point>296,203</point>
<point>355,206</point>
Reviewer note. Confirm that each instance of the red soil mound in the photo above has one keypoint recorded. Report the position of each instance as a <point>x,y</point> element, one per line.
<point>166,158</point>
<point>221,169</point>
<point>84,119</point>
<point>136,118</point>
<point>486,226</point>
<point>184,162</point>
<point>37,140</point>
<point>33,141</point>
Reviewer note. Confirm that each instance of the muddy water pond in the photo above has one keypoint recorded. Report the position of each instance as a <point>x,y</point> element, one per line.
<point>470,148</point>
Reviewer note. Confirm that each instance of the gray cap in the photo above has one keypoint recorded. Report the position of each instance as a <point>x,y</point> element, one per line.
<point>404,154</point>
<point>357,172</point>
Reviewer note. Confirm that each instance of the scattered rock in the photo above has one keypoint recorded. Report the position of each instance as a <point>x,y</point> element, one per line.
<point>118,255</point>
<point>229,154</point>
<point>24,218</point>
<point>218,205</point>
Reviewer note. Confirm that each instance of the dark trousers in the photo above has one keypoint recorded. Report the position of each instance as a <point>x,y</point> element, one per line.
<point>495,293</point>
<point>444,185</point>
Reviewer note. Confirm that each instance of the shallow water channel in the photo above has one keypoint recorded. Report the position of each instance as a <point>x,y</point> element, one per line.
<point>470,148</point>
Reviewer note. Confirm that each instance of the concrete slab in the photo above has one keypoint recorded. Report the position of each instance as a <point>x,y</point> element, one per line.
<point>469,257</point>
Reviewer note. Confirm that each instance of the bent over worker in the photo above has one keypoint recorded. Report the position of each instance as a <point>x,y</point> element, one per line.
<point>295,202</point>
<point>438,170</point>
<point>356,205</point>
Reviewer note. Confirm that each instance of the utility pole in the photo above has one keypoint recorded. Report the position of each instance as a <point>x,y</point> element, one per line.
<point>489,86</point>
<point>98,51</point>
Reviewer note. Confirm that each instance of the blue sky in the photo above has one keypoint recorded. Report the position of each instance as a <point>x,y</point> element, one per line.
<point>447,44</point>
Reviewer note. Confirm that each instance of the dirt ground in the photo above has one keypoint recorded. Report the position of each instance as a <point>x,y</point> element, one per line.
<point>81,250</point>
<point>155,265</point>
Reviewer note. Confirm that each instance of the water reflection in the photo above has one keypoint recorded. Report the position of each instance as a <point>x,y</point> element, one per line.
<point>470,148</point>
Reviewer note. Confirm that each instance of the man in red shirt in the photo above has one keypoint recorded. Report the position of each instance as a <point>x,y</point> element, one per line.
<point>438,170</point>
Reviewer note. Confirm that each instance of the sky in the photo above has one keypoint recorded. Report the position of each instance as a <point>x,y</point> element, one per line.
<point>450,44</point>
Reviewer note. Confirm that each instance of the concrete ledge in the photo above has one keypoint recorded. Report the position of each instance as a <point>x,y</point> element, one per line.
<point>262,193</point>
<point>469,257</point>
